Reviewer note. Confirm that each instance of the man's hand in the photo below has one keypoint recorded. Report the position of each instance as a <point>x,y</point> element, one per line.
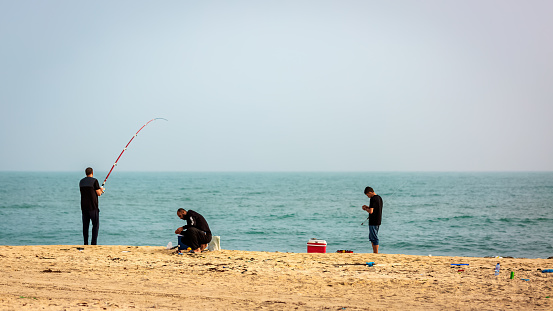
<point>178,231</point>
<point>365,208</point>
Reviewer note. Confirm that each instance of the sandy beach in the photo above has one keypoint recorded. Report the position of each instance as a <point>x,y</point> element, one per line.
<point>62,277</point>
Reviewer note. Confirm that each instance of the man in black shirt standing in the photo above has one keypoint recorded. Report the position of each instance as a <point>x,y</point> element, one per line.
<point>90,191</point>
<point>197,234</point>
<point>375,216</point>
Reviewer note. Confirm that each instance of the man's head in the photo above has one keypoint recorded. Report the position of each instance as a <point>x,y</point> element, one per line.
<point>89,171</point>
<point>181,212</point>
<point>369,192</point>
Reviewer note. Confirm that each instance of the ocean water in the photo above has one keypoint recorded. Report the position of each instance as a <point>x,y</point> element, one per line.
<point>454,214</point>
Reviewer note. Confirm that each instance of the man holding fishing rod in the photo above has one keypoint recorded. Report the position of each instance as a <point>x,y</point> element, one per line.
<point>90,191</point>
<point>375,216</point>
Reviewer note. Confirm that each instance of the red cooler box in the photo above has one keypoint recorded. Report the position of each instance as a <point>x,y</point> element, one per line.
<point>316,246</point>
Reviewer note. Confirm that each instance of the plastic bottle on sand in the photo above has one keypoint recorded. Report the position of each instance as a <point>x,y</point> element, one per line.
<point>497,269</point>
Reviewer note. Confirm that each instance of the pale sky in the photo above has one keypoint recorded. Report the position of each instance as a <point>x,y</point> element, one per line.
<point>277,85</point>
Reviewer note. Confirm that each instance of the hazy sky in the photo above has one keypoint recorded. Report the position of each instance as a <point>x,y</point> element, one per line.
<point>277,85</point>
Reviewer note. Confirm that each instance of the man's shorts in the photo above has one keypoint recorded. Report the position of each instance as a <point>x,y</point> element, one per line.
<point>373,234</point>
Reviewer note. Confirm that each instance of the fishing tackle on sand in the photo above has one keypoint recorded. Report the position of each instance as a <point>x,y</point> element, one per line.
<point>115,164</point>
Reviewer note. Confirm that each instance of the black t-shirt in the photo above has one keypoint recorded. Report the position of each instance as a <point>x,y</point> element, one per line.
<point>196,220</point>
<point>89,197</point>
<point>375,219</point>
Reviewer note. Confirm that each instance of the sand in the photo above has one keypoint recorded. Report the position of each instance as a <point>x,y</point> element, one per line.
<point>62,277</point>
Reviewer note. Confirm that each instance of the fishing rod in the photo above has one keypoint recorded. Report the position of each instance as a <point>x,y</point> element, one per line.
<point>115,164</point>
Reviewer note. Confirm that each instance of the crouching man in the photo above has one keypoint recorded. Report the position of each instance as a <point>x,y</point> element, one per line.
<point>196,234</point>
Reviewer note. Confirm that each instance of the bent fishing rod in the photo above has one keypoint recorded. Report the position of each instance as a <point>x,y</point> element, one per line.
<point>119,157</point>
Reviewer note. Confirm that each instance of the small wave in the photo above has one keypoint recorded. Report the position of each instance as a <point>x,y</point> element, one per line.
<point>211,191</point>
<point>455,218</point>
<point>463,217</point>
<point>508,220</point>
<point>255,232</point>
<point>19,206</point>
<point>535,220</point>
<point>282,216</point>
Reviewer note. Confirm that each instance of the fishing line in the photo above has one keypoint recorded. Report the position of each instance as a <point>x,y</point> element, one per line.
<point>119,157</point>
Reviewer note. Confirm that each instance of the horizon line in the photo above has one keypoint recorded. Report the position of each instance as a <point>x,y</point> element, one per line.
<point>288,171</point>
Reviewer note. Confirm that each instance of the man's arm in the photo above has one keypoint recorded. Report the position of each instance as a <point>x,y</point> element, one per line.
<point>181,229</point>
<point>190,220</point>
<point>99,190</point>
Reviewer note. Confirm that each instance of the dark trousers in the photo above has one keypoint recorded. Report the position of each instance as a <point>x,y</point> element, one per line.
<point>89,216</point>
<point>194,237</point>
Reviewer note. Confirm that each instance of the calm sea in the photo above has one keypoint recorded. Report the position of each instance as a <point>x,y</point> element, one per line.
<point>457,214</point>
